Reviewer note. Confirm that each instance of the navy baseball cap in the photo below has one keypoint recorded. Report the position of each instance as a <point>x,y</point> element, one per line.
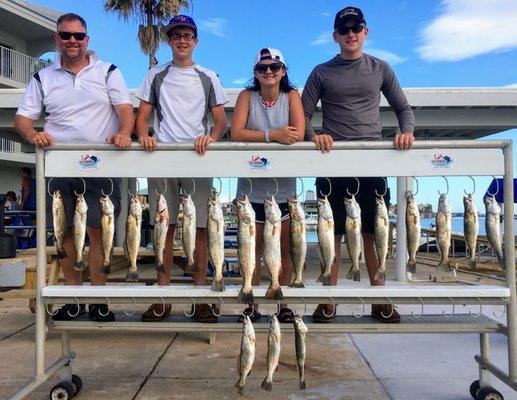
<point>348,13</point>
<point>180,20</point>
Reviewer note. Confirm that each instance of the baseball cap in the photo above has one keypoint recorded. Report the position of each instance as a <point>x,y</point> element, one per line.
<point>269,53</point>
<point>180,20</point>
<point>348,13</point>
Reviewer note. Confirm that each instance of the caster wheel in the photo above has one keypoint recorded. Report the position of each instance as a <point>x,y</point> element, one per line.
<point>62,391</point>
<point>489,393</point>
<point>474,389</point>
<point>77,384</point>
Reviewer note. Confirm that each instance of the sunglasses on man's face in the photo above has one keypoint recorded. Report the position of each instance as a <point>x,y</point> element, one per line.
<point>274,68</point>
<point>343,30</point>
<point>67,35</point>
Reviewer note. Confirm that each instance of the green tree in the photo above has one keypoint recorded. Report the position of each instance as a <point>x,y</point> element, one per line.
<point>151,14</point>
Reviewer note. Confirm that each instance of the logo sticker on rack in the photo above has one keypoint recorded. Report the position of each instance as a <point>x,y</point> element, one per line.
<point>441,161</point>
<point>89,161</point>
<point>258,163</point>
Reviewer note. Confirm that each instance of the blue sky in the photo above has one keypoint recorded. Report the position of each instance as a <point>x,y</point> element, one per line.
<point>428,43</point>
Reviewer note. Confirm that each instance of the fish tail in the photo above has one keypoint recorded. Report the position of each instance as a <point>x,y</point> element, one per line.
<point>239,387</point>
<point>160,268</point>
<point>245,296</point>
<point>191,268</point>
<point>324,278</point>
<point>411,266</point>
<point>472,263</point>
<point>297,283</point>
<point>61,252</point>
<point>218,285</point>
<point>267,385</point>
<point>274,292</point>
<point>79,266</point>
<point>380,275</point>
<point>302,385</point>
<point>441,266</point>
<point>106,269</point>
<point>132,276</point>
<point>451,266</point>
<point>354,274</point>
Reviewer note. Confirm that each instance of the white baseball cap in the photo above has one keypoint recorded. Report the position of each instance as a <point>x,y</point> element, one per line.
<point>268,53</point>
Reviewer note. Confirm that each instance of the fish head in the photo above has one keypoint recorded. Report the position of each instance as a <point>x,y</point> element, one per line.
<point>352,207</point>
<point>135,206</point>
<point>296,209</point>
<point>468,202</point>
<point>106,205</point>
<point>57,199</point>
<point>380,206</point>
<point>412,207</point>
<point>492,207</point>
<point>247,328</point>
<point>324,209</point>
<point>300,325</point>
<point>245,212</point>
<point>274,326</point>
<point>80,204</point>
<point>272,210</point>
<point>161,204</point>
<point>443,204</point>
<point>215,211</point>
<point>188,205</point>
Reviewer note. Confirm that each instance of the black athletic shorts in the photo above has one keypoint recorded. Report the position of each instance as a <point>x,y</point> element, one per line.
<point>365,198</point>
<point>260,213</point>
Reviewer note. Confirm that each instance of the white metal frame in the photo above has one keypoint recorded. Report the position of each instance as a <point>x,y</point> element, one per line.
<point>301,159</point>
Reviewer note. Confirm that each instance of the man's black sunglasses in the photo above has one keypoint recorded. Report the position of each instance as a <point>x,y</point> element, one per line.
<point>67,35</point>
<point>343,30</point>
<point>274,68</point>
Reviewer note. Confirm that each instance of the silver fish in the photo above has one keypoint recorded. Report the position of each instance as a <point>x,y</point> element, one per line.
<point>79,230</point>
<point>247,354</point>
<point>107,232</point>
<point>59,220</point>
<point>189,232</point>
<point>271,249</point>
<point>414,229</point>
<point>493,227</point>
<point>382,231</point>
<point>132,242</point>
<point>161,226</point>
<point>300,331</point>
<point>215,235</point>
<point>443,232</point>
<point>353,236</point>
<point>274,338</point>
<point>297,240</point>
<point>325,239</point>
<point>246,248</point>
<point>470,228</point>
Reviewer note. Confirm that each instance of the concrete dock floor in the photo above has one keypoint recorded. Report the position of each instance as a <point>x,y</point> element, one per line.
<point>183,366</point>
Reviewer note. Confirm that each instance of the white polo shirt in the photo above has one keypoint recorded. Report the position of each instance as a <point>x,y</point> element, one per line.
<point>78,107</point>
<point>182,98</point>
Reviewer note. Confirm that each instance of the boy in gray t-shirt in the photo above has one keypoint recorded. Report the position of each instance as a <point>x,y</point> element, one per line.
<point>349,87</point>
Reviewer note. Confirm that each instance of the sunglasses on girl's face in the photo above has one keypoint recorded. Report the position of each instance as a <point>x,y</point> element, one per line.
<point>67,35</point>
<point>343,30</point>
<point>274,68</point>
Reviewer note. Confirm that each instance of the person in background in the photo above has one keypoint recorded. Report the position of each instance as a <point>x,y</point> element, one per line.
<point>27,191</point>
<point>13,202</point>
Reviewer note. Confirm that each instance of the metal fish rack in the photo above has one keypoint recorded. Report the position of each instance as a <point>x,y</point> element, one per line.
<point>354,159</point>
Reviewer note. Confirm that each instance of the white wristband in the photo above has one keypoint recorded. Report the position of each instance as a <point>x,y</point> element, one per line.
<point>266,136</point>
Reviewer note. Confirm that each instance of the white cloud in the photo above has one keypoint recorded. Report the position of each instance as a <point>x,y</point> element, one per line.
<point>388,56</point>
<point>325,14</point>
<point>322,39</point>
<point>215,26</point>
<point>240,81</point>
<point>468,28</point>
<point>512,85</point>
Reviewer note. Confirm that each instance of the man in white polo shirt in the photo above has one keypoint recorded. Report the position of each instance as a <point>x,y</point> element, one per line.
<point>85,100</point>
<point>182,94</point>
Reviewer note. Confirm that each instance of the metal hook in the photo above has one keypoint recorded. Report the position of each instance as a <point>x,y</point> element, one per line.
<point>392,309</point>
<point>453,309</point>
<point>447,182</point>
<point>220,309</point>
<point>108,304</point>
<point>272,195</point>
<point>220,186</point>
<point>78,309</point>
<point>46,308</point>
<point>304,307</point>
<point>251,189</point>
<point>301,194</point>
<point>421,311</point>
<point>277,309</point>
<point>504,309</point>
<point>333,311</point>
<point>480,309</point>
<point>111,192</point>
<point>84,188</point>
<point>496,187</point>
<point>48,186</point>
<point>193,188</point>
<point>193,308</point>
<point>330,188</point>
<point>358,187</point>
<point>163,308</point>
<point>164,186</point>
<point>134,309</point>
<point>385,188</point>
<point>473,190</point>
<point>416,180</point>
<point>364,307</point>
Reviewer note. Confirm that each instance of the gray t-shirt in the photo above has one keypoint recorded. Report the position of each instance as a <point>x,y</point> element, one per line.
<point>261,118</point>
<point>350,93</point>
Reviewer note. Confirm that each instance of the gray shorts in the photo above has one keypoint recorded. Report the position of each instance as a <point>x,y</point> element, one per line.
<point>203,186</point>
<point>94,188</point>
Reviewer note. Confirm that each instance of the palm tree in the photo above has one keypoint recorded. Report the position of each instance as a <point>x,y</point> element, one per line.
<point>151,14</point>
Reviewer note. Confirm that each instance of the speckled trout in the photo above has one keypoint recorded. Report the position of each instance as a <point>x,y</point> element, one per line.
<point>246,248</point>
<point>325,239</point>
<point>353,236</point>
<point>215,234</point>
<point>189,232</point>
<point>133,231</point>
<point>271,251</point>
<point>274,338</point>
<point>79,230</point>
<point>470,228</point>
<point>161,226</point>
<point>381,235</point>
<point>300,331</point>
<point>59,221</point>
<point>107,232</point>
<point>247,354</point>
<point>443,232</point>
<point>493,227</point>
<point>413,229</point>
<point>297,240</point>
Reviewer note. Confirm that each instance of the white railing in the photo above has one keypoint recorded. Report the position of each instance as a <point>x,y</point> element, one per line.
<point>9,146</point>
<point>18,66</point>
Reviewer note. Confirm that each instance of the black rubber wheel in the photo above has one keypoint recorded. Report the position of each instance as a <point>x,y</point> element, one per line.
<point>62,391</point>
<point>77,384</point>
<point>474,389</point>
<point>489,393</point>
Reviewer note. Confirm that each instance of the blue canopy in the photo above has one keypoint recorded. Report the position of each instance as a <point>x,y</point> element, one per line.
<point>497,183</point>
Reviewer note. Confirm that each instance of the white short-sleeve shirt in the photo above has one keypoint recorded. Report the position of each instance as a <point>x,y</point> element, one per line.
<point>78,107</point>
<point>182,98</point>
